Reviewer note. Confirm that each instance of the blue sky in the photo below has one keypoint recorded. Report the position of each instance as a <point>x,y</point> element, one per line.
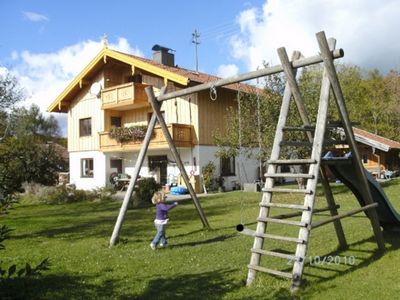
<point>45,43</point>
<point>46,26</point>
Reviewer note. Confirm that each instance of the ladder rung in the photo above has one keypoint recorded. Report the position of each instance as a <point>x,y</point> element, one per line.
<point>332,124</point>
<point>280,238</point>
<point>284,205</point>
<point>277,254</point>
<point>334,142</point>
<point>302,128</point>
<point>296,143</point>
<point>289,175</point>
<point>280,190</point>
<point>270,271</point>
<point>309,144</point>
<point>292,161</point>
<point>280,221</point>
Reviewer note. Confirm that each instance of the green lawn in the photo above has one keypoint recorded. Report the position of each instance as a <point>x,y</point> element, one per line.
<point>198,264</point>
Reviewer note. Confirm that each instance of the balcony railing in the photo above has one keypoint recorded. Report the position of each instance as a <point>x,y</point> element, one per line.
<point>125,96</point>
<point>181,135</point>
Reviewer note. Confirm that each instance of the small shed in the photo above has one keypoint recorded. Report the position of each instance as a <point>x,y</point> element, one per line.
<point>379,155</point>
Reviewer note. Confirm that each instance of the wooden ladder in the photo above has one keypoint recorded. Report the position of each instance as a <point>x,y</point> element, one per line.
<point>315,135</point>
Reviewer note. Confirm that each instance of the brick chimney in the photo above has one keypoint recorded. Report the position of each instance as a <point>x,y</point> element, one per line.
<point>163,55</point>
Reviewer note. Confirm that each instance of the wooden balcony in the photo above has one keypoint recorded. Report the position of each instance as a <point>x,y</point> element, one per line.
<point>181,135</point>
<point>125,96</point>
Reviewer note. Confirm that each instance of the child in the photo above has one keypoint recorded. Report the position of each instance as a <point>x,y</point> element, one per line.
<point>161,219</point>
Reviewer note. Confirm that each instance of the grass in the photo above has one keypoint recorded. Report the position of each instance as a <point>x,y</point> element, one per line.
<point>199,264</point>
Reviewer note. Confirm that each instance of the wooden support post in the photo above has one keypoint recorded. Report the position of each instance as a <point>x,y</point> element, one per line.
<point>156,108</point>
<point>345,215</point>
<point>333,208</point>
<point>290,74</point>
<point>334,81</point>
<point>325,89</point>
<point>131,186</point>
<point>298,213</point>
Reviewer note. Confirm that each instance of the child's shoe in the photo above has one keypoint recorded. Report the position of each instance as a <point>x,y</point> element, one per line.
<point>152,246</point>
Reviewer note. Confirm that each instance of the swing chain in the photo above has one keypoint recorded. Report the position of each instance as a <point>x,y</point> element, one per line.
<point>213,93</point>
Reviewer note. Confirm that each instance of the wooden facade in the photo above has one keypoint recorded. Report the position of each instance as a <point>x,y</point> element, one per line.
<point>211,114</point>
<point>124,97</point>
<point>181,135</point>
<point>124,79</point>
<point>378,161</point>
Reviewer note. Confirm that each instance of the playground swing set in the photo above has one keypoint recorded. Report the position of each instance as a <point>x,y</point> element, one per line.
<point>348,169</point>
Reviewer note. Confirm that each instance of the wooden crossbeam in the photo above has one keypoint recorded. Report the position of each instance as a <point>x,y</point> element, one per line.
<point>341,216</point>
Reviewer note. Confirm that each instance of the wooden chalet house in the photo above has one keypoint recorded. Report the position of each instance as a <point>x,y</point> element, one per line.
<point>110,93</point>
<point>380,155</point>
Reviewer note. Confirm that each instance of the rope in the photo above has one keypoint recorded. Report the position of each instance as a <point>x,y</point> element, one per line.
<point>213,93</point>
<point>239,155</point>
<point>259,134</point>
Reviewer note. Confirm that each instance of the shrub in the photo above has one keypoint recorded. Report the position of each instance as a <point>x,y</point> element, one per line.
<point>58,194</point>
<point>104,194</point>
<point>146,187</point>
<point>208,174</point>
<point>35,193</point>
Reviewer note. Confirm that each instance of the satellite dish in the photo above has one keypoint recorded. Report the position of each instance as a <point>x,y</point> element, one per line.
<point>95,89</point>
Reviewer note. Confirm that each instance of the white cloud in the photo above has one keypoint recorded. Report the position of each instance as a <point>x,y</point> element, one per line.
<point>227,70</point>
<point>3,71</point>
<point>45,75</point>
<point>366,31</point>
<point>34,17</point>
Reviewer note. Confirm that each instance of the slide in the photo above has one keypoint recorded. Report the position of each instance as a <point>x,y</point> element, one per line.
<point>388,217</point>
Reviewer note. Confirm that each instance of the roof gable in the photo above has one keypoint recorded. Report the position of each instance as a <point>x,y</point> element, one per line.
<point>175,74</point>
<point>375,140</point>
<point>60,104</point>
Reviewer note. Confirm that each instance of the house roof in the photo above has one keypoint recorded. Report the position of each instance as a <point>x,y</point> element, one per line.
<point>196,77</point>
<point>375,140</point>
<point>175,74</point>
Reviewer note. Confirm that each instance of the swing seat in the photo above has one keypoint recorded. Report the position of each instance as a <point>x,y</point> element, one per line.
<point>178,190</point>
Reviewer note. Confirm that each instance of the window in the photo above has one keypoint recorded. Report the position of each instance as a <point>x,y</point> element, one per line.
<point>87,167</point>
<point>85,127</point>
<point>116,122</point>
<point>227,166</point>
<point>116,164</point>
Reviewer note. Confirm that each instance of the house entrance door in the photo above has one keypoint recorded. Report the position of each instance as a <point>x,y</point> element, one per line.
<point>159,164</point>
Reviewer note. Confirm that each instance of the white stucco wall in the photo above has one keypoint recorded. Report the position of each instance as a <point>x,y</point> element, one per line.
<point>99,167</point>
<point>129,161</point>
<point>202,155</point>
<point>246,173</point>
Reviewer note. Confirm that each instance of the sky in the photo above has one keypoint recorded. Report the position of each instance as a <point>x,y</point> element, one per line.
<point>45,43</point>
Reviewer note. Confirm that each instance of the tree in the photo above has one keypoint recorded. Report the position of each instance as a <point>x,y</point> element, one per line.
<point>371,99</point>
<point>392,85</point>
<point>32,122</point>
<point>23,159</point>
<point>261,105</point>
<point>10,91</point>
<point>17,155</point>
<point>10,94</point>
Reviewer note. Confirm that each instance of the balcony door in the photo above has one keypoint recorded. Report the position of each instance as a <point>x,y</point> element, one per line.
<point>158,165</point>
